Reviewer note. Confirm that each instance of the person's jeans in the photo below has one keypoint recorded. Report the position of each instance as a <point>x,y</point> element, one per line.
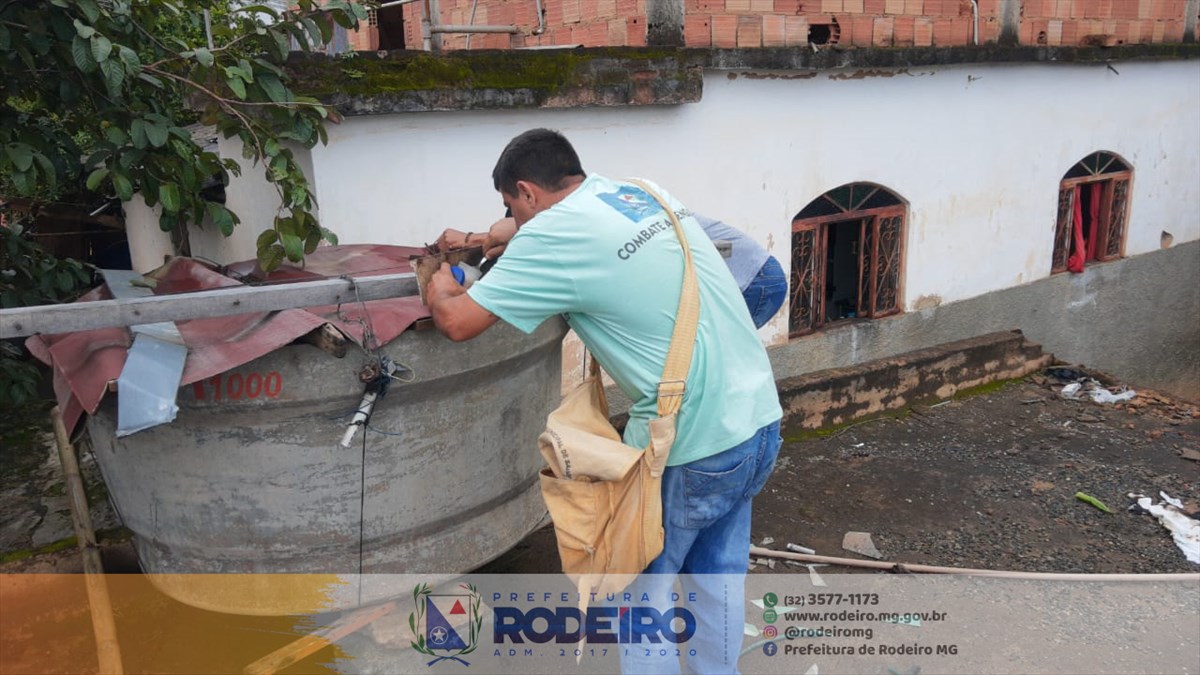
<point>706,515</point>
<point>764,296</point>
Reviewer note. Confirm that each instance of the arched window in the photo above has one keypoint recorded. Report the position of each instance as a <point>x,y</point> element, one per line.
<point>1093,208</point>
<point>847,257</point>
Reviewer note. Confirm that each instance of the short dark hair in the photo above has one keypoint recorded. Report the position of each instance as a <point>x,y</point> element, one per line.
<point>540,156</point>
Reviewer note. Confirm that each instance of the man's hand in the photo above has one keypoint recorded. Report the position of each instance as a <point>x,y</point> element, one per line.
<point>455,314</point>
<point>453,239</point>
<point>501,232</point>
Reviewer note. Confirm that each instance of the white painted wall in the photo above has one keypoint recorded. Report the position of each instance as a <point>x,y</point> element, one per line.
<point>149,246</point>
<point>977,152</point>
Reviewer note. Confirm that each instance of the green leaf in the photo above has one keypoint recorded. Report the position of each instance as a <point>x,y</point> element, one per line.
<point>326,27</point>
<point>114,77</point>
<point>314,33</point>
<point>270,258</point>
<point>245,71</point>
<point>169,194</point>
<point>81,52</point>
<point>101,48</point>
<point>273,87</point>
<point>94,158</point>
<point>285,226</point>
<point>204,57</point>
<point>83,30</point>
<point>123,187</point>
<point>156,134</point>
<point>302,130</point>
<point>237,86</point>
<point>96,177</point>
<point>90,9</point>
<point>150,190</point>
<point>137,133</point>
<point>265,239</point>
<point>329,236</point>
<point>344,20</point>
<point>47,169</point>
<point>116,135</point>
<point>184,150</point>
<point>279,165</point>
<point>150,79</point>
<point>167,221</point>
<point>5,38</point>
<point>259,9</point>
<point>23,181</point>
<point>312,241</point>
<point>20,154</point>
<point>130,58</point>
<point>221,217</point>
<point>268,66</point>
<point>283,43</point>
<point>1084,497</point>
<point>293,247</point>
<point>298,195</point>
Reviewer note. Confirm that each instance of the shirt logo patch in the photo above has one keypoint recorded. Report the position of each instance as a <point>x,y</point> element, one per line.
<point>631,203</point>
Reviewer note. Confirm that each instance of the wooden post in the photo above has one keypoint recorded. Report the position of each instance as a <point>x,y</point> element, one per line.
<point>309,644</point>
<point>108,651</point>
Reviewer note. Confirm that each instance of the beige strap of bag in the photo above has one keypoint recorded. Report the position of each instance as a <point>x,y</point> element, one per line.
<point>581,420</point>
<point>605,497</point>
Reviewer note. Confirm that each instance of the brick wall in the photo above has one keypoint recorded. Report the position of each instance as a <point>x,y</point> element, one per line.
<point>786,23</point>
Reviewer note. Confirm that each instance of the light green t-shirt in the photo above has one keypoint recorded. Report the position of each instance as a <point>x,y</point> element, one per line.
<point>608,258</point>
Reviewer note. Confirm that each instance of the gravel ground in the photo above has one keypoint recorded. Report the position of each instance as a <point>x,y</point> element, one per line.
<point>989,481</point>
<point>986,481</point>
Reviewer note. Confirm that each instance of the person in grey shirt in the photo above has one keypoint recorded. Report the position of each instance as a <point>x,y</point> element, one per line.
<point>757,272</point>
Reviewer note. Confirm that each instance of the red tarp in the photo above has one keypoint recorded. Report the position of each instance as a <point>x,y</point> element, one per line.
<point>85,362</point>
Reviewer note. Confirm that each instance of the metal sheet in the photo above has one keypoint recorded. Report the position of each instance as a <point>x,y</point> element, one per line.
<point>85,362</point>
<point>150,376</point>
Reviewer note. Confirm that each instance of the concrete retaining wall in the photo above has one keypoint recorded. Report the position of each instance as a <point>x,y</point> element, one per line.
<point>1137,318</point>
<point>830,397</point>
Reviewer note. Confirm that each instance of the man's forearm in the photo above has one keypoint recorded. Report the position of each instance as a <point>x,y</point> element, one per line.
<point>457,316</point>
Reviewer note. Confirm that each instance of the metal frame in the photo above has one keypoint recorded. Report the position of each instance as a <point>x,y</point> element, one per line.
<point>1113,226</point>
<point>809,269</point>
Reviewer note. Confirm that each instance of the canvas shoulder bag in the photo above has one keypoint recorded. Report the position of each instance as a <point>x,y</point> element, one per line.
<point>605,497</point>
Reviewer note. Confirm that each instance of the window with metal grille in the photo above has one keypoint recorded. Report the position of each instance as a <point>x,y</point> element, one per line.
<point>1093,208</point>
<point>847,257</point>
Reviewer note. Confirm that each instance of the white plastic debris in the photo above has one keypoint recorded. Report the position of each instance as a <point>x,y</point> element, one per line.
<point>860,542</point>
<point>814,577</point>
<point>796,548</point>
<point>1090,388</point>
<point>1184,529</point>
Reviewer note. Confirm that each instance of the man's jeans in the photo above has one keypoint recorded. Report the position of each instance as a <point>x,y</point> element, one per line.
<point>764,296</point>
<point>706,515</point>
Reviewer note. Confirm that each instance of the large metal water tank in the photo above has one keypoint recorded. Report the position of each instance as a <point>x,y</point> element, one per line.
<point>251,477</point>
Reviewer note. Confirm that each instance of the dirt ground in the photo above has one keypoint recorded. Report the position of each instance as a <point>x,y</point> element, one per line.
<point>985,481</point>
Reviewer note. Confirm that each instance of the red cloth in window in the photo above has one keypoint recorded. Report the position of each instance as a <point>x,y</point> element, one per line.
<point>1093,246</point>
<point>1078,247</point>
